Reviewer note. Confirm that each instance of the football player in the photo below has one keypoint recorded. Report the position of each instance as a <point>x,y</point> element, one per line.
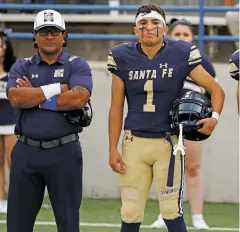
<point>151,74</point>
<point>234,72</point>
<point>182,30</point>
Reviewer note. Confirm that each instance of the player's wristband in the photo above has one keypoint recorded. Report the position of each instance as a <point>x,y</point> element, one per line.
<point>215,115</point>
<point>51,90</point>
<point>50,104</point>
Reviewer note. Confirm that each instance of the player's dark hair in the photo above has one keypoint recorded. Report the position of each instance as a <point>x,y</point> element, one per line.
<point>64,44</point>
<point>9,58</point>
<point>175,22</point>
<point>148,8</point>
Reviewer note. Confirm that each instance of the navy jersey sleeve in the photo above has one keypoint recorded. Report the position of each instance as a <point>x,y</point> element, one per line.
<point>194,57</point>
<point>81,74</point>
<point>234,65</point>
<point>208,66</point>
<point>112,65</point>
<point>15,72</point>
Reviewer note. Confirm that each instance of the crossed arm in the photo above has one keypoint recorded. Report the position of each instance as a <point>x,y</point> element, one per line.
<point>27,96</point>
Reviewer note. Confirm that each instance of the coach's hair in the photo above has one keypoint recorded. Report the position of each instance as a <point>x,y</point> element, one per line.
<point>9,58</point>
<point>175,22</point>
<point>148,8</point>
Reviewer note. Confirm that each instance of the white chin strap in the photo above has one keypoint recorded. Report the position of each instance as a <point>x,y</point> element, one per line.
<point>152,14</point>
<point>180,147</point>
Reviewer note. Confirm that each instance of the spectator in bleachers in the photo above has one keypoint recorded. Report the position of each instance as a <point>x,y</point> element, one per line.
<point>7,114</point>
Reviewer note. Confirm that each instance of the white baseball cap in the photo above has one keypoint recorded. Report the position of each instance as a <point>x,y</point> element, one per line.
<point>49,18</point>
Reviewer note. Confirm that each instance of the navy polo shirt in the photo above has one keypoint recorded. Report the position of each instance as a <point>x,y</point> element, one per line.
<point>40,124</point>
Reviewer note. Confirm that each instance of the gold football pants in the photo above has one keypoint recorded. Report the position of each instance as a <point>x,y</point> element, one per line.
<point>147,159</point>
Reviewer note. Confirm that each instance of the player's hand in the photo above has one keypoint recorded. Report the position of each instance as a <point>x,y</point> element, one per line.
<point>24,82</point>
<point>116,162</point>
<point>208,125</point>
<point>64,88</point>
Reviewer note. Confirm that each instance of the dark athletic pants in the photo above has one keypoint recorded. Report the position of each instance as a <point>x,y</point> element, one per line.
<point>33,168</point>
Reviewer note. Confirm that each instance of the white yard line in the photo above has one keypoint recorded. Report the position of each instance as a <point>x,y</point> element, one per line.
<point>86,224</point>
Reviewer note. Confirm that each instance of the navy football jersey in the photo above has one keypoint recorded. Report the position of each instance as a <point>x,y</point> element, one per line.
<point>191,85</point>
<point>8,115</point>
<point>152,85</point>
<point>234,65</point>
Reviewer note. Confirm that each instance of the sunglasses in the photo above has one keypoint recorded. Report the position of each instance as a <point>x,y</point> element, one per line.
<point>53,31</point>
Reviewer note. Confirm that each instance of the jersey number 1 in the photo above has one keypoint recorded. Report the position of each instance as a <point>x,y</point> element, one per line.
<point>148,87</point>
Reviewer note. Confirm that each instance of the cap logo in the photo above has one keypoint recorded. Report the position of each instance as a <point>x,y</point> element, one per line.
<point>48,16</point>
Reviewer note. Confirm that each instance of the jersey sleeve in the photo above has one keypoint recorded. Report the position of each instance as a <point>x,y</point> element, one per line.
<point>234,65</point>
<point>112,64</point>
<point>194,58</point>
<point>15,72</point>
<point>81,74</point>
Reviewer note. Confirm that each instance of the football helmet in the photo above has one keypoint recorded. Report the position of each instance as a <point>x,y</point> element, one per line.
<point>189,109</point>
<point>82,117</point>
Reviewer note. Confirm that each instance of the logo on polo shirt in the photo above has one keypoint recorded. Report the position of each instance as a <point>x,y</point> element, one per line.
<point>34,75</point>
<point>59,73</point>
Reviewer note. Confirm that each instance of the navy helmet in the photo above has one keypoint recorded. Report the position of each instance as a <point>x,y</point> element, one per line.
<point>81,117</point>
<point>189,109</point>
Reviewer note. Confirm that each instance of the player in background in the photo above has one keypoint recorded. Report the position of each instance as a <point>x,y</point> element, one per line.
<point>234,72</point>
<point>151,74</point>
<point>182,30</point>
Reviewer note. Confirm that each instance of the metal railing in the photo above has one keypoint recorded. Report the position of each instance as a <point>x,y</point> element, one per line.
<point>65,7</point>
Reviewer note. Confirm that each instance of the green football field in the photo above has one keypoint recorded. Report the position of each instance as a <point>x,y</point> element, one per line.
<point>103,216</point>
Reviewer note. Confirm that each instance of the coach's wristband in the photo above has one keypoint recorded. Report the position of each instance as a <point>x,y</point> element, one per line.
<point>215,115</point>
<point>50,104</point>
<point>51,90</point>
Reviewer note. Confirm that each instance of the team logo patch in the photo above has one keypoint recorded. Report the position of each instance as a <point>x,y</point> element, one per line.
<point>59,73</point>
<point>48,17</point>
<point>129,138</point>
<point>34,75</point>
<point>169,191</point>
<point>163,65</point>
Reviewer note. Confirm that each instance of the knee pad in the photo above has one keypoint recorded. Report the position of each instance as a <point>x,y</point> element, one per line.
<point>130,213</point>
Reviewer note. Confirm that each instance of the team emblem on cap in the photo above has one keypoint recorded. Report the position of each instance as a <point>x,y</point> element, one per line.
<point>48,16</point>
